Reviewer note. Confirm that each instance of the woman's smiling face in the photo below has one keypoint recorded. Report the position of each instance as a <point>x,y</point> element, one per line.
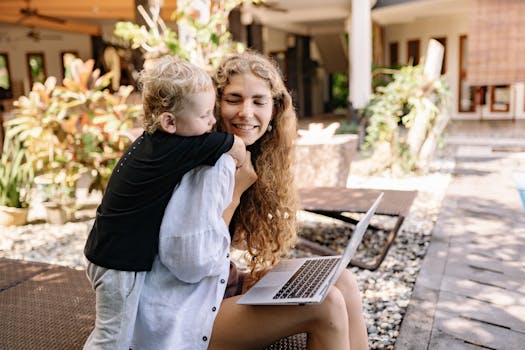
<point>246,107</point>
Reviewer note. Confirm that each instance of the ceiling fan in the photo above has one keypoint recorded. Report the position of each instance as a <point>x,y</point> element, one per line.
<point>36,36</point>
<point>28,11</point>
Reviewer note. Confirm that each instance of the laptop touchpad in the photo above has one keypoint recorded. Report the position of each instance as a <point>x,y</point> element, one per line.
<point>274,279</point>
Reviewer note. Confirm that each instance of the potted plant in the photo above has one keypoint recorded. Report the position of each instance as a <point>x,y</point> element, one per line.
<point>58,197</point>
<point>73,129</point>
<point>16,176</point>
<point>406,119</point>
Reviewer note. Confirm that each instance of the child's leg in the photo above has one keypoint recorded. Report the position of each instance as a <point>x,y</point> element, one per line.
<point>117,297</point>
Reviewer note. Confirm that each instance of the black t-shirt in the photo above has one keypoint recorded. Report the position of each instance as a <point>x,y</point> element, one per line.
<point>125,235</point>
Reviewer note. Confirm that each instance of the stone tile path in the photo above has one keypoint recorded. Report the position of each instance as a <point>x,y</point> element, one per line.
<point>470,292</point>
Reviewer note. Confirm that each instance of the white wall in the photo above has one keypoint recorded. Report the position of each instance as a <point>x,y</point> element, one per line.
<point>14,42</point>
<point>451,27</point>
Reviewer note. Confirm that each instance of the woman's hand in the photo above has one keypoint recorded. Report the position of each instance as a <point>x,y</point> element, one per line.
<point>245,176</point>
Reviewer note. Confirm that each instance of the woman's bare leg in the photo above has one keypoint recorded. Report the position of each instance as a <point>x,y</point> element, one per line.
<point>255,327</point>
<point>347,284</point>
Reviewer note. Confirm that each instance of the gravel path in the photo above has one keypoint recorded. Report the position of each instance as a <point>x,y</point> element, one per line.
<point>386,291</point>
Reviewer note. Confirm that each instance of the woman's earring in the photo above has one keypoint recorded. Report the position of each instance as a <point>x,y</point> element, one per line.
<point>270,127</point>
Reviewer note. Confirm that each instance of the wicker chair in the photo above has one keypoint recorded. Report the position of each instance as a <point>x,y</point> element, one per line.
<point>52,307</point>
<point>294,342</point>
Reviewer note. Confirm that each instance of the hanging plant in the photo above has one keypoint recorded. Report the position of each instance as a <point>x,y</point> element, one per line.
<point>201,35</point>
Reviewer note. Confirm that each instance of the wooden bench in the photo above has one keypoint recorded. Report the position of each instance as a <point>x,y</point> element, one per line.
<point>337,202</point>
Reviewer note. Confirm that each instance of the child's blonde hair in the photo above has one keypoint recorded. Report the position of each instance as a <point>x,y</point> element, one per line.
<point>166,85</point>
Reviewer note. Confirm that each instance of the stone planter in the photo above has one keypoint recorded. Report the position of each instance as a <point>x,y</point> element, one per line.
<point>58,214</point>
<point>10,216</point>
<point>324,162</point>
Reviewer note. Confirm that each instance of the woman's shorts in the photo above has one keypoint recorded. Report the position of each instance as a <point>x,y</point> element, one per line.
<point>235,282</point>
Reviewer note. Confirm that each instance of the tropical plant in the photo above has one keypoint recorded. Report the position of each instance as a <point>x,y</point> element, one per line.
<point>74,128</point>
<point>201,37</point>
<point>16,175</point>
<point>406,119</point>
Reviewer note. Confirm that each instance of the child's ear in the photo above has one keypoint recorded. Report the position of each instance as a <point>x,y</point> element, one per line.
<point>167,122</point>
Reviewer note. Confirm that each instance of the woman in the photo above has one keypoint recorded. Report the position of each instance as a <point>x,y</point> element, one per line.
<point>253,103</point>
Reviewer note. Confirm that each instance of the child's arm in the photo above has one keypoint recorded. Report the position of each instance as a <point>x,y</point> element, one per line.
<point>238,151</point>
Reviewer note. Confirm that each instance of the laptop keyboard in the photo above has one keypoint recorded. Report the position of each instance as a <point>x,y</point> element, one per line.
<point>307,280</point>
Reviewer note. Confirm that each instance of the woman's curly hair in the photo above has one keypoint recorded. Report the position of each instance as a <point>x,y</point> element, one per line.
<point>265,221</point>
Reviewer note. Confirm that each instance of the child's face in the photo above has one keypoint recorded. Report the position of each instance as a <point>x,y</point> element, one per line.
<point>246,107</point>
<point>197,116</point>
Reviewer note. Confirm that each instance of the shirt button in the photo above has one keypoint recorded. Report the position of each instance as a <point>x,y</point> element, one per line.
<point>214,309</point>
<point>228,255</point>
<point>223,281</point>
<point>205,338</point>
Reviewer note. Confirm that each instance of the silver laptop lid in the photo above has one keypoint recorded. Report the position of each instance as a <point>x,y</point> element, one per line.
<point>357,236</point>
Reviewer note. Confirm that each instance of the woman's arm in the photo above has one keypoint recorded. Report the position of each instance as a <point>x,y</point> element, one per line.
<point>194,240</point>
<point>245,176</point>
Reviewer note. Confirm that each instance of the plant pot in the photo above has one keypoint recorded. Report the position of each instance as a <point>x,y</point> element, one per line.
<point>10,216</point>
<point>57,214</point>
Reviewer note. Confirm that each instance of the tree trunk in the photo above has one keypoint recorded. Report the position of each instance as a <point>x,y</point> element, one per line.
<point>430,144</point>
<point>418,132</point>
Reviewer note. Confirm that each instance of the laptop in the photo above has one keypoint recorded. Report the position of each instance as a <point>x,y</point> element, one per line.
<point>306,280</point>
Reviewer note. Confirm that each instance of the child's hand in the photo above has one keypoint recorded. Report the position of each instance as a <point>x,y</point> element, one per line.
<point>238,151</point>
<point>240,162</point>
<point>245,176</point>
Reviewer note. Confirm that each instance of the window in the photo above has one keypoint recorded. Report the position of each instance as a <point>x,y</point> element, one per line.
<point>36,68</point>
<point>466,97</point>
<point>5,78</point>
<point>500,98</point>
<point>393,49</point>
<point>443,41</point>
<point>413,51</point>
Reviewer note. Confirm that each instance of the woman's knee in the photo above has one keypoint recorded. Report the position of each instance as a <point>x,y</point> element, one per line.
<point>347,283</point>
<point>333,309</point>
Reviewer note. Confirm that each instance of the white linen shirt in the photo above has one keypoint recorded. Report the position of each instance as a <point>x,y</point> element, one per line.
<point>184,289</point>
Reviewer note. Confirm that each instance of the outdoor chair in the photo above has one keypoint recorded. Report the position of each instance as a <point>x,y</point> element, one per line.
<point>337,202</point>
<point>47,306</point>
<point>44,306</point>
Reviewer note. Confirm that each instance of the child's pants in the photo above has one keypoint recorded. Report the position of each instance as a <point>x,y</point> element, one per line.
<point>117,298</point>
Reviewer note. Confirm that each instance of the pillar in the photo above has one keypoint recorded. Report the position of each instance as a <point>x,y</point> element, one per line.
<point>360,46</point>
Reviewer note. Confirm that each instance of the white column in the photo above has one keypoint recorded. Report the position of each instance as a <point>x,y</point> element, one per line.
<point>360,53</point>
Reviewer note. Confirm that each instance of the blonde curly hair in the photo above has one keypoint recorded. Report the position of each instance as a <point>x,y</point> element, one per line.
<point>265,221</point>
<point>165,86</point>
